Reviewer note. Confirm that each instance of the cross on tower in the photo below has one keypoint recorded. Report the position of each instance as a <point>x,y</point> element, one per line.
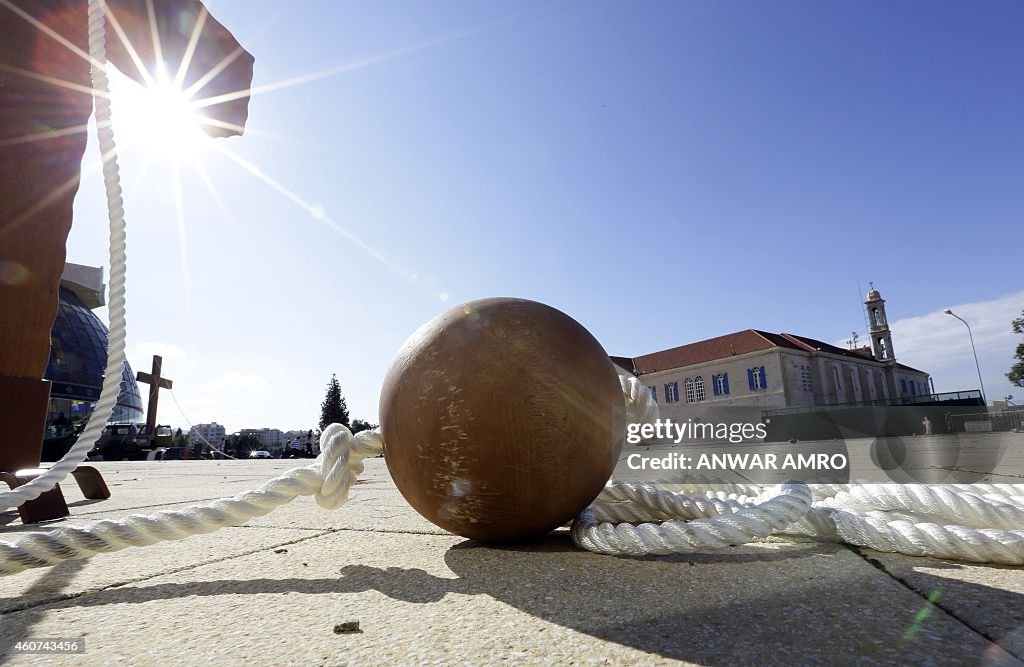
<point>156,382</point>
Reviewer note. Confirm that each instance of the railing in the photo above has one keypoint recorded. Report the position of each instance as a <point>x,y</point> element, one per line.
<point>983,422</point>
<point>924,399</point>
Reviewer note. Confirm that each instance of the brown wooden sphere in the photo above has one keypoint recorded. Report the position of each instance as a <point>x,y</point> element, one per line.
<point>497,419</point>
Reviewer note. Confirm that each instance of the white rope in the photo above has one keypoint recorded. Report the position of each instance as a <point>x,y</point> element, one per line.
<point>640,405</point>
<point>772,512</point>
<point>916,520</point>
<point>329,479</point>
<point>115,339</point>
<point>974,522</point>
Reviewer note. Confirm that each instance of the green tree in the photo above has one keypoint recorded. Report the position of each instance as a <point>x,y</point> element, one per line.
<point>1016,374</point>
<point>247,443</point>
<point>333,410</point>
<point>360,425</point>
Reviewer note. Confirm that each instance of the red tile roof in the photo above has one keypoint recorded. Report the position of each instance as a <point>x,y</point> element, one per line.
<point>721,347</point>
<point>741,342</point>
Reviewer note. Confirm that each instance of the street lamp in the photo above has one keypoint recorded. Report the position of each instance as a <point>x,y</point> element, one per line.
<point>976,365</point>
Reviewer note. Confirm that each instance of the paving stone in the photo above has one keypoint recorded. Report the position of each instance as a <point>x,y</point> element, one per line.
<point>988,598</point>
<point>426,599</point>
<point>33,587</point>
<point>274,591</point>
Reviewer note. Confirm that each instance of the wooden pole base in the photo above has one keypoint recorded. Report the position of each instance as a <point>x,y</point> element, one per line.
<point>23,443</point>
<point>25,399</point>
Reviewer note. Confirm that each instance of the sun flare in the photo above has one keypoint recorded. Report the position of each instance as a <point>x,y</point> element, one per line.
<point>159,118</point>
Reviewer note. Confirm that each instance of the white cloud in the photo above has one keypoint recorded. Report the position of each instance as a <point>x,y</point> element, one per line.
<point>230,398</point>
<point>149,348</point>
<point>235,382</point>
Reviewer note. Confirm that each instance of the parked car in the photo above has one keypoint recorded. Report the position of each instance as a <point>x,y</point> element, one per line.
<point>171,454</point>
<point>259,454</point>
<point>130,441</point>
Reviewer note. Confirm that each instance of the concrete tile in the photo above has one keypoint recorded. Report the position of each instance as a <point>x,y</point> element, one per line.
<point>33,587</point>
<point>431,597</point>
<point>988,598</point>
<point>366,510</point>
<point>442,599</point>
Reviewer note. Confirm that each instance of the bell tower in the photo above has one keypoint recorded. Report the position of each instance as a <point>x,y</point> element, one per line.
<point>878,327</point>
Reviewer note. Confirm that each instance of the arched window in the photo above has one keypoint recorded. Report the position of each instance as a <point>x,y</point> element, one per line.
<point>883,348</point>
<point>688,389</point>
<point>720,384</point>
<point>876,317</point>
<point>839,382</point>
<point>698,388</point>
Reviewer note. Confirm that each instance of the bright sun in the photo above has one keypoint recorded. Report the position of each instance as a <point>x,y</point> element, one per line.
<point>159,118</point>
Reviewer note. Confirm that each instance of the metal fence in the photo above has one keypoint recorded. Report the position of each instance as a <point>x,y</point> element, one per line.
<point>984,422</point>
<point>966,398</point>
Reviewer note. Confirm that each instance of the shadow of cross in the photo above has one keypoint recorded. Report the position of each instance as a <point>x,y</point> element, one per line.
<point>156,382</point>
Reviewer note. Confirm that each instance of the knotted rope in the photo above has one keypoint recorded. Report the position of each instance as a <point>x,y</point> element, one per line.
<point>328,479</point>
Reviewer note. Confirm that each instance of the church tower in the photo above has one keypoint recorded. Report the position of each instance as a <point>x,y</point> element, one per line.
<point>878,327</point>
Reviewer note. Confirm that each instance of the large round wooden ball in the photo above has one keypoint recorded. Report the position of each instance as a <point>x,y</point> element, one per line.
<point>497,419</point>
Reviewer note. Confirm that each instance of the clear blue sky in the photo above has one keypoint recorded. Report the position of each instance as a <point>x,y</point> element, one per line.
<point>662,171</point>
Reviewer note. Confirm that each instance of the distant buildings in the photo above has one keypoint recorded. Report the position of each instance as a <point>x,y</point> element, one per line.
<point>269,438</point>
<point>776,371</point>
<point>212,434</point>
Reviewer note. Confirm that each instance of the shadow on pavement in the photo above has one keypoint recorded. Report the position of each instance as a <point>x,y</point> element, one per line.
<point>788,604</point>
<point>53,580</point>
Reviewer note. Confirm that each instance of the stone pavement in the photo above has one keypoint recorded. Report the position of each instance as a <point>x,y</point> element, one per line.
<point>272,593</point>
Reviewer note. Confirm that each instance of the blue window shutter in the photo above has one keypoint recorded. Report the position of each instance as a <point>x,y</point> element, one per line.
<point>654,393</point>
<point>903,385</point>
<point>750,378</point>
<point>764,379</point>
<point>675,392</point>
<point>725,382</point>
<point>668,395</point>
<point>714,384</point>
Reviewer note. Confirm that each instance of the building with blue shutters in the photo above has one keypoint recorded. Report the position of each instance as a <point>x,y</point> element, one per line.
<point>775,371</point>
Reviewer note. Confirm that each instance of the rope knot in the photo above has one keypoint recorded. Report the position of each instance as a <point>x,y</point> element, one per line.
<point>341,462</point>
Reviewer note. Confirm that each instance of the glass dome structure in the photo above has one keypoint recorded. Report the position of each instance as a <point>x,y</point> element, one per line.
<point>78,358</point>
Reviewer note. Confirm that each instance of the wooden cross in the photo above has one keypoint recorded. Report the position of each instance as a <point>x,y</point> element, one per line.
<point>155,382</point>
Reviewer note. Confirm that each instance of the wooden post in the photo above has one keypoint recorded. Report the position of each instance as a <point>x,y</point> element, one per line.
<point>45,103</point>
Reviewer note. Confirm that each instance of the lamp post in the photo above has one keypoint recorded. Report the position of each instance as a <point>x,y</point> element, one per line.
<point>975,351</point>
